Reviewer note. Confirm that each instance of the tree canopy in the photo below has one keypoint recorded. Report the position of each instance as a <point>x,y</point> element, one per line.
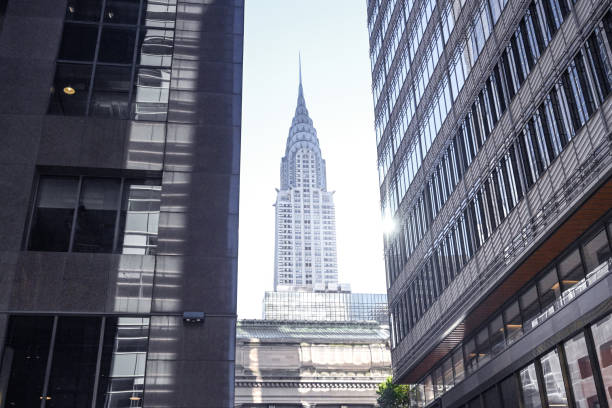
<point>393,395</point>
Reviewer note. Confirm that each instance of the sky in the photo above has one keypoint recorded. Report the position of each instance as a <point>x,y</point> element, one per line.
<point>332,38</point>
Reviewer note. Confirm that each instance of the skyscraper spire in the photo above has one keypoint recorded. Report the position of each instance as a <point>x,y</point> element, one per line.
<point>300,65</point>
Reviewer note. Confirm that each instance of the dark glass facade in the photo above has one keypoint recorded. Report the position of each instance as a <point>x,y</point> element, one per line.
<point>492,139</point>
<point>120,123</point>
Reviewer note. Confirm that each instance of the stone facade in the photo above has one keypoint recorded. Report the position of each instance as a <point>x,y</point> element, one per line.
<point>310,364</point>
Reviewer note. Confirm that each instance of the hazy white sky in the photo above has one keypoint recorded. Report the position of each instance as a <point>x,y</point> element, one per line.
<point>332,38</point>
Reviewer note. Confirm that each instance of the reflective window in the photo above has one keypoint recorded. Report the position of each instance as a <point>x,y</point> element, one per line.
<point>97,214</point>
<point>482,344</point>
<point>123,362</point>
<point>530,308</point>
<point>548,287</point>
<point>496,330</point>
<point>570,270</point>
<point>471,362</point>
<point>54,213</point>
<point>475,403</point>
<point>25,359</point>
<point>458,365</point>
<point>581,373</point>
<point>596,251</point>
<point>429,389</point>
<point>602,337</point>
<point>75,343</point>
<point>112,215</point>
<point>553,380</point>
<point>530,388</point>
<point>113,40</point>
<point>447,372</point>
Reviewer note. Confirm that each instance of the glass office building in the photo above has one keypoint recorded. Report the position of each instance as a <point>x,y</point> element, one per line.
<point>120,130</point>
<point>493,129</point>
<point>325,306</point>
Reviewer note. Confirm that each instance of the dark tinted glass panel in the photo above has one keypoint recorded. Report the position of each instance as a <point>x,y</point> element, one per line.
<point>553,380</point>
<point>139,216</point>
<point>438,382</point>
<point>491,398</point>
<point>581,373</point>
<point>447,372</point>
<point>111,92</point>
<point>117,45</point>
<point>122,11</point>
<point>83,10</point>
<point>513,322</point>
<point>602,337</point>
<point>96,220</point>
<point>475,403</point>
<point>3,4</point>
<point>596,251</point>
<point>70,89</point>
<point>429,391</point>
<point>570,270</point>
<point>496,329</point>
<point>530,307</point>
<point>123,362</point>
<point>470,356</point>
<point>52,222</point>
<point>458,365</point>
<point>74,362</point>
<point>549,289</point>
<point>510,392</point>
<point>78,42</point>
<point>24,360</point>
<point>482,344</point>
<point>530,388</point>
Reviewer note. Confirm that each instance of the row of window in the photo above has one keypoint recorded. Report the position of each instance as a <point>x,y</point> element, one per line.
<point>422,71</point>
<point>544,137</point>
<point>555,286</point>
<point>95,214</point>
<point>58,361</point>
<point>576,372</point>
<point>114,59</point>
<point>535,31</point>
<point>492,200</point>
<point>466,53</point>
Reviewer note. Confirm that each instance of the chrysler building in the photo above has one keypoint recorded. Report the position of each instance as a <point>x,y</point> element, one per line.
<point>305,247</point>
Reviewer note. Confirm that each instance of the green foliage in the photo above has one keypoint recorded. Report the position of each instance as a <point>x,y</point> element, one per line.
<point>393,395</point>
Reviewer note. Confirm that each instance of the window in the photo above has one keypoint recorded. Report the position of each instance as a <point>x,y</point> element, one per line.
<point>581,372</point>
<point>75,342</point>
<point>513,322</point>
<point>602,338</point>
<point>548,287</point>
<point>93,214</point>
<point>491,397</point>
<point>530,387</point>
<point>570,270</point>
<point>115,62</point>
<point>530,307</point>
<point>553,380</point>
<point>596,251</point>
<point>510,392</point>
<point>458,365</point>
<point>496,330</point>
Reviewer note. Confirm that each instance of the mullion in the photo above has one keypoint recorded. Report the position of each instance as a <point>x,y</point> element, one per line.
<point>118,216</point>
<point>596,368</point>
<point>43,398</point>
<point>139,25</point>
<point>74,216</point>
<point>98,362</point>
<point>95,60</point>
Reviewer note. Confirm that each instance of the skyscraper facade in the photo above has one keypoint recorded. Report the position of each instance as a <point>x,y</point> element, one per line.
<point>120,168</point>
<point>493,126</point>
<point>305,241</point>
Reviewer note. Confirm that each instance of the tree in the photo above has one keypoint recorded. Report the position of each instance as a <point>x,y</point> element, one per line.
<point>393,395</point>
